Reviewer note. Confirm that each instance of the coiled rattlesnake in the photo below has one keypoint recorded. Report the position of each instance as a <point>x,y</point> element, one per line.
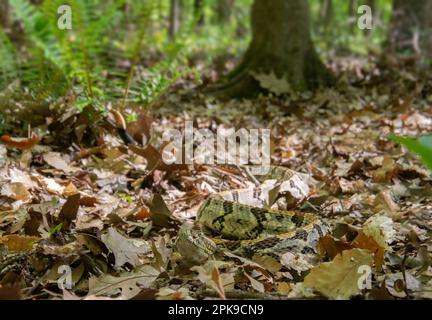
<point>241,221</point>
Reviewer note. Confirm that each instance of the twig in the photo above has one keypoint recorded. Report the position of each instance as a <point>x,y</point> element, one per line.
<point>246,170</point>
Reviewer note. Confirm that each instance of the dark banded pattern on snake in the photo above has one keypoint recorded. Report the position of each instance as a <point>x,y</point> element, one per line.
<point>250,230</point>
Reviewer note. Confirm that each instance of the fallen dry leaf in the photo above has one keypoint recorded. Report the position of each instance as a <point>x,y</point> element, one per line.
<point>384,203</point>
<point>17,243</point>
<point>364,241</point>
<point>339,278</point>
<point>69,211</point>
<point>328,246</point>
<point>125,286</point>
<point>381,229</point>
<point>16,191</point>
<point>59,162</point>
<point>70,190</point>
<point>125,250</point>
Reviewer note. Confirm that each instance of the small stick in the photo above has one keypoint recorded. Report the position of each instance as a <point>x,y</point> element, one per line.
<point>246,170</point>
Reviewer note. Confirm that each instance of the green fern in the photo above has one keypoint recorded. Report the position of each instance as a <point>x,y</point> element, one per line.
<point>98,59</point>
<point>38,30</point>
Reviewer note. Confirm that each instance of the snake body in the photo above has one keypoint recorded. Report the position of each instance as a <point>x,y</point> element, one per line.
<point>252,229</point>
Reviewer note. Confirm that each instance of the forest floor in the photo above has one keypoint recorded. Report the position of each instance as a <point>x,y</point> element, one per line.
<point>100,211</point>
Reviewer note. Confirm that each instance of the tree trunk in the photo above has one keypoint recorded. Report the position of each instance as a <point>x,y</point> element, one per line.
<point>4,14</point>
<point>282,44</point>
<point>411,28</point>
<point>224,8</point>
<point>175,18</point>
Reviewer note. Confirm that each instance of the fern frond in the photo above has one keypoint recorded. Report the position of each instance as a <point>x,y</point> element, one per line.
<point>91,24</point>
<point>98,58</point>
<point>38,29</point>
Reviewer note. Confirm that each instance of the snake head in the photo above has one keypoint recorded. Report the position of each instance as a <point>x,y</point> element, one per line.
<point>193,245</point>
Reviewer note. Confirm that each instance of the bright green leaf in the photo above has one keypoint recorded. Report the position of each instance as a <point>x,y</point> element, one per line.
<point>421,146</point>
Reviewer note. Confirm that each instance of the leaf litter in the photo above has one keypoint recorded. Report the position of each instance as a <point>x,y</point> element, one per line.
<point>111,212</point>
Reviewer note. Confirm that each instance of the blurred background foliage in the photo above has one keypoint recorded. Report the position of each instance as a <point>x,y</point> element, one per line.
<point>122,51</point>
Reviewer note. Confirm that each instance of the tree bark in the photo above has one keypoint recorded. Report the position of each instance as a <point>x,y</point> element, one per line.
<point>411,28</point>
<point>282,44</point>
<point>175,18</point>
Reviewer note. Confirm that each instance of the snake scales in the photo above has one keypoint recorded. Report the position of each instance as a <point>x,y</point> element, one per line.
<point>239,221</point>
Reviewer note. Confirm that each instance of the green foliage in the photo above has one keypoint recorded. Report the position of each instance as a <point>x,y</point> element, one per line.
<point>71,57</point>
<point>341,31</point>
<point>38,30</point>
<point>97,59</point>
<point>105,57</point>
<point>421,146</point>
<point>55,230</point>
<point>120,51</point>
<point>8,70</point>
